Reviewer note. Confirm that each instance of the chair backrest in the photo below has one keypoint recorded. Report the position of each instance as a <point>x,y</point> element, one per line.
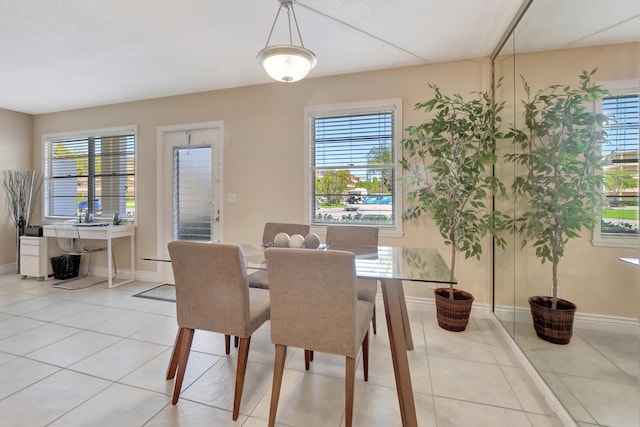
<point>344,235</point>
<point>212,292</point>
<point>273,228</point>
<point>68,239</point>
<point>313,299</point>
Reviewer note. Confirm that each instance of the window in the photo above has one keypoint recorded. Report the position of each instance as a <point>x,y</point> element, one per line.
<point>619,222</point>
<point>90,172</point>
<point>192,193</point>
<point>353,170</point>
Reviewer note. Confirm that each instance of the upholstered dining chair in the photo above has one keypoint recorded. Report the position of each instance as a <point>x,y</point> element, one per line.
<point>212,294</point>
<point>258,279</point>
<point>351,235</point>
<point>315,306</point>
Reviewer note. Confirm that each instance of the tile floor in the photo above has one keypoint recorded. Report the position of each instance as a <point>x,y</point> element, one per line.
<point>98,357</point>
<point>596,376</point>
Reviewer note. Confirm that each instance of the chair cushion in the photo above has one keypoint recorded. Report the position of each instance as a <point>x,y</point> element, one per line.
<point>367,290</point>
<point>258,308</point>
<point>258,279</point>
<point>363,319</point>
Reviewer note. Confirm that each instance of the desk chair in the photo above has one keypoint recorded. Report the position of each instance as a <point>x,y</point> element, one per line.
<point>76,246</point>
<point>212,294</point>
<point>258,279</point>
<point>346,235</point>
<point>315,306</point>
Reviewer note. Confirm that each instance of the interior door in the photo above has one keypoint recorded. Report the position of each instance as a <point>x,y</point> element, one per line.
<point>189,186</point>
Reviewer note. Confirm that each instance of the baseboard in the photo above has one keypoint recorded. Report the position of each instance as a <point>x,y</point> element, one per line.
<point>597,322</point>
<point>9,269</point>
<point>418,303</point>
<point>549,396</point>
<point>148,276</point>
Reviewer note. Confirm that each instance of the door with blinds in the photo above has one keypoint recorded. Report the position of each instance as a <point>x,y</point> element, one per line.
<point>189,186</point>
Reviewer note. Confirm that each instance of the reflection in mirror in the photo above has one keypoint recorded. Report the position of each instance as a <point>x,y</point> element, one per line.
<point>596,375</point>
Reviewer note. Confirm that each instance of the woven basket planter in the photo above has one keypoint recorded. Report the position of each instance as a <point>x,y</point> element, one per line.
<point>453,314</point>
<point>555,326</point>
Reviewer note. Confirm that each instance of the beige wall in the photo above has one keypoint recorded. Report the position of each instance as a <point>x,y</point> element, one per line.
<point>264,143</point>
<point>591,277</point>
<point>15,154</point>
<point>263,159</point>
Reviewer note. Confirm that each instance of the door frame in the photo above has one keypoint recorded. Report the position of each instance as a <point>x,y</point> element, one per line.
<point>216,167</point>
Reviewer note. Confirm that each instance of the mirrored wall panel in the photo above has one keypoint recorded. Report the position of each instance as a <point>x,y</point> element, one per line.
<point>594,368</point>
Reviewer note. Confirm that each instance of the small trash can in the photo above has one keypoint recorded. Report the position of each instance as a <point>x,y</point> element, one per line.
<point>65,266</point>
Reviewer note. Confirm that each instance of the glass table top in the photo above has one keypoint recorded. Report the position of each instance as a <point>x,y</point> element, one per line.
<point>372,262</point>
<point>385,262</point>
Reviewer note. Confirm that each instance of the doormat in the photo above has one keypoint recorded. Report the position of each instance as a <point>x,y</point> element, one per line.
<point>164,292</point>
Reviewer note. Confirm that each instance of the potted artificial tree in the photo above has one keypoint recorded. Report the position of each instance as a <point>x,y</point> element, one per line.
<point>447,162</point>
<point>561,183</point>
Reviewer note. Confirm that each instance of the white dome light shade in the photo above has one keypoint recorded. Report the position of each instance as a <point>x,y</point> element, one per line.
<point>287,63</point>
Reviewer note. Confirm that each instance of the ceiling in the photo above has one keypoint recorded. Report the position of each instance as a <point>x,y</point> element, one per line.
<point>67,54</point>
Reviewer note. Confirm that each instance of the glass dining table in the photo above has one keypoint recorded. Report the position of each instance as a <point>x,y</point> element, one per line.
<point>390,265</point>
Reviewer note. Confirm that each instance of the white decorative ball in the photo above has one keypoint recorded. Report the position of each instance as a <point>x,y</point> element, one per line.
<point>312,241</point>
<point>296,241</point>
<point>281,240</point>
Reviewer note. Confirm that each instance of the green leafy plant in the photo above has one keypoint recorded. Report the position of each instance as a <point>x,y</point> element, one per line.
<point>447,162</point>
<point>559,153</point>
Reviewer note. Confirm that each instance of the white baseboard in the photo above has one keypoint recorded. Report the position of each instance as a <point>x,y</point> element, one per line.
<point>482,311</point>
<point>145,276</point>
<point>148,276</point>
<point>596,322</point>
<point>552,400</point>
<point>9,269</point>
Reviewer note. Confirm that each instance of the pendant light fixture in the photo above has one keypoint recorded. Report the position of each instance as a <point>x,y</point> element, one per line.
<point>287,63</point>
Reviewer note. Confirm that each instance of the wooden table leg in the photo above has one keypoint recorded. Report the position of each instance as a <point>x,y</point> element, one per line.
<point>391,292</point>
<point>408,338</point>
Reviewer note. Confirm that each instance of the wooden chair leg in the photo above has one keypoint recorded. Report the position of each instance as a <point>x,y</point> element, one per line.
<point>183,358</point>
<point>365,356</point>
<point>243,356</point>
<point>311,355</point>
<point>307,359</point>
<point>236,341</point>
<point>227,344</point>
<point>349,379</point>
<point>173,363</point>
<point>373,319</point>
<point>278,371</point>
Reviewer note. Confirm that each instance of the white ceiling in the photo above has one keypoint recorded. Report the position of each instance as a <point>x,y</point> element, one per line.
<point>63,54</point>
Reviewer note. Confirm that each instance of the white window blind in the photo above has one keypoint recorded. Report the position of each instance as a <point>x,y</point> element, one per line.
<point>192,193</point>
<point>353,168</point>
<point>620,214</point>
<point>90,172</point>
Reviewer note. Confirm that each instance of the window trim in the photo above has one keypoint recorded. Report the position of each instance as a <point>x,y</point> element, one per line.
<point>107,131</point>
<point>616,88</point>
<point>360,107</point>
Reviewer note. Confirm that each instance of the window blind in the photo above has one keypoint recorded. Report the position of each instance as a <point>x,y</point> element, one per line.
<point>620,153</point>
<point>354,141</point>
<point>90,173</point>
<point>192,193</point>
<point>622,128</point>
<point>354,152</point>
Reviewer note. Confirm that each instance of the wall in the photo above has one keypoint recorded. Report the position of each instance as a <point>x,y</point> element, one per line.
<point>15,154</point>
<point>263,148</point>
<point>591,277</point>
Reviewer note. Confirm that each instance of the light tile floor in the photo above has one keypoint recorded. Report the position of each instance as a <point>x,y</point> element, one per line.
<point>98,357</point>
<point>596,376</point>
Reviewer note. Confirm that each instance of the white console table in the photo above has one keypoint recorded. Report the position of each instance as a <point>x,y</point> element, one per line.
<point>107,232</point>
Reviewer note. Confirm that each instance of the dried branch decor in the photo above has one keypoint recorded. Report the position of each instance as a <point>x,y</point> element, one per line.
<point>21,188</point>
